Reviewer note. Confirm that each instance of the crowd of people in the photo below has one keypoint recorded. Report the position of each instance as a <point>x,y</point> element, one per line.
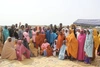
<point>67,42</point>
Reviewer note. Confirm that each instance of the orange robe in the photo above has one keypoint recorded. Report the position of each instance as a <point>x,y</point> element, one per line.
<point>49,51</point>
<point>96,42</point>
<point>42,37</point>
<point>60,41</point>
<point>72,45</point>
<point>46,46</point>
<point>37,40</point>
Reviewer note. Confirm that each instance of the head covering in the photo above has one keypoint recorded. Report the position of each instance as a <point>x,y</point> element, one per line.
<point>82,32</point>
<point>8,39</point>
<point>95,32</point>
<point>19,42</point>
<point>88,47</point>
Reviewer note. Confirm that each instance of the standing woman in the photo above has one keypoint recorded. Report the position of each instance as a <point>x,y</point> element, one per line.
<point>26,35</point>
<point>33,34</point>
<point>88,47</point>
<point>81,42</point>
<point>96,43</point>
<point>5,33</point>
<point>98,51</point>
<point>72,45</point>
<point>60,39</point>
<point>1,39</point>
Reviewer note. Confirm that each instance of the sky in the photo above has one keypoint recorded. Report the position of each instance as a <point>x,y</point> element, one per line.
<point>46,12</point>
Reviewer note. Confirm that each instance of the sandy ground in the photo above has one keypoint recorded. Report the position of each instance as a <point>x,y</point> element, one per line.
<point>47,62</point>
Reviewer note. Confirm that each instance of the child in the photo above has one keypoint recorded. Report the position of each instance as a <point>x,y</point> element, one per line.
<point>54,48</point>
<point>62,53</point>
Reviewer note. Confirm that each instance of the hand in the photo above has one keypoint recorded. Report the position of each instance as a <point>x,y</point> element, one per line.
<point>86,55</point>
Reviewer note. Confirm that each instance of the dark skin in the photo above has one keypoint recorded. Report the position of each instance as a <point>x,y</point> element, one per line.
<point>45,40</point>
<point>5,27</point>
<point>9,39</point>
<point>37,33</point>
<point>22,27</point>
<point>88,31</point>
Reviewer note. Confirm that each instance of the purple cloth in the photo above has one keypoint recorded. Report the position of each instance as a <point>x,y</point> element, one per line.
<point>87,60</point>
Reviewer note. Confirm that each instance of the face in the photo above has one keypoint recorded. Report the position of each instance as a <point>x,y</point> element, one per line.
<point>5,27</point>
<point>60,32</point>
<point>81,32</point>
<point>64,42</point>
<point>66,31</point>
<point>55,26</point>
<point>60,24</point>
<point>45,40</point>
<point>22,27</point>
<point>9,39</point>
<point>69,31</point>
<point>68,27</point>
<point>16,25</point>
<point>88,32</point>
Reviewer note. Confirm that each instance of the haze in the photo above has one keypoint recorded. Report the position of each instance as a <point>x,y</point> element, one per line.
<point>45,12</point>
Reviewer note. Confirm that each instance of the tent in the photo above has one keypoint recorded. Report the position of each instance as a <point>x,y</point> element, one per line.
<point>87,22</point>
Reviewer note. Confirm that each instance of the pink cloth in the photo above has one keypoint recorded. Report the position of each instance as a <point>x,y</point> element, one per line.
<point>44,46</point>
<point>26,35</point>
<point>22,50</point>
<point>81,42</point>
<point>33,35</point>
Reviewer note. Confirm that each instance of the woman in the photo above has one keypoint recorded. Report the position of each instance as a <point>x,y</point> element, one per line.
<point>46,50</point>
<point>20,32</point>
<point>53,36</point>
<point>26,35</point>
<point>60,40</point>
<point>21,51</point>
<point>1,39</point>
<point>88,47</point>
<point>5,33</point>
<point>37,39</point>
<point>99,45</point>
<point>96,43</point>
<point>25,43</point>
<point>8,51</point>
<point>72,45</point>
<point>81,42</point>
<point>32,48</point>
<point>33,34</point>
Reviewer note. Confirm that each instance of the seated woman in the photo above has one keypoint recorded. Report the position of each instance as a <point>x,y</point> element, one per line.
<point>21,51</point>
<point>33,50</point>
<point>62,53</point>
<point>46,50</point>
<point>8,51</point>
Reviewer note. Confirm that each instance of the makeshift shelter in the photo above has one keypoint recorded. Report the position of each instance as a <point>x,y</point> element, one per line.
<point>87,22</point>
